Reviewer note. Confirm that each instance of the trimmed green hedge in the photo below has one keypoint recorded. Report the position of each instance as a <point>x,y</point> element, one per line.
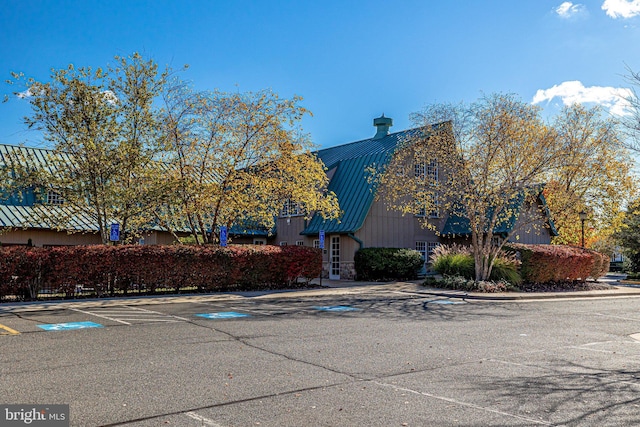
<point>381,264</point>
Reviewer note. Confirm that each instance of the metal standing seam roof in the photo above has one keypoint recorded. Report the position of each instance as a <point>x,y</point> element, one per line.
<point>351,182</point>
<point>458,225</point>
<point>38,157</point>
<point>25,214</point>
<point>16,216</point>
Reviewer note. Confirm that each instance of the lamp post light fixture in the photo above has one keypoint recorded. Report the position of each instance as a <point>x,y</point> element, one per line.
<point>583,218</point>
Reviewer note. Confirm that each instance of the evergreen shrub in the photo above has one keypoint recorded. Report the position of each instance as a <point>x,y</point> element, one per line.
<point>380,264</point>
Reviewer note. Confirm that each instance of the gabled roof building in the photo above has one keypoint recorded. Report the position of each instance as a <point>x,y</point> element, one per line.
<point>31,216</point>
<point>366,222</point>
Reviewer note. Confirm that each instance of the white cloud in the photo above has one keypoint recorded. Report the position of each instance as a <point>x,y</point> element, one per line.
<point>621,8</point>
<point>25,94</point>
<point>615,99</point>
<point>110,97</point>
<point>568,10</point>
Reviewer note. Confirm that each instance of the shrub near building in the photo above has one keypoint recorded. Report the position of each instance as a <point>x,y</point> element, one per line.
<point>387,264</point>
<point>559,263</point>
<point>517,264</point>
<point>457,260</point>
<point>103,269</point>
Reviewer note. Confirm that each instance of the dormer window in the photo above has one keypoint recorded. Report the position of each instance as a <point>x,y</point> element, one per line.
<point>291,208</point>
<point>54,198</point>
<point>426,170</point>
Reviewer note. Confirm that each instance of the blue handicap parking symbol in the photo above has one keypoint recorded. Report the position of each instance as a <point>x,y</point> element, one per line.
<point>70,326</point>
<point>223,315</point>
<point>336,308</point>
<point>445,301</point>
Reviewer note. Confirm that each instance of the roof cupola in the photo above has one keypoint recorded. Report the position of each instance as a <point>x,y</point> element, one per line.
<point>383,124</point>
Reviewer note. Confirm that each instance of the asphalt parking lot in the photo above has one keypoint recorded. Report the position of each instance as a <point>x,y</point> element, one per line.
<point>369,356</point>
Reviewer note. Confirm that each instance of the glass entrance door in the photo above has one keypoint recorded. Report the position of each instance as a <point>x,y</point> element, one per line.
<point>334,258</point>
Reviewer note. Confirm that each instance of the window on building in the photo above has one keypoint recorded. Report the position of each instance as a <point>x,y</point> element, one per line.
<point>291,208</point>
<point>54,198</point>
<point>259,242</point>
<point>430,248</point>
<point>434,212</point>
<point>426,249</point>
<point>426,170</point>
<point>421,247</point>
<point>283,243</point>
<point>316,243</point>
<point>299,242</point>
<point>432,170</point>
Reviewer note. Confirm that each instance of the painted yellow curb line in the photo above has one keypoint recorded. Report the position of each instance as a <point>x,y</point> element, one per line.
<point>9,331</point>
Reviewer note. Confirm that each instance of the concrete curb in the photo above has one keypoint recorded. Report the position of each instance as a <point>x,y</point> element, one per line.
<point>535,295</point>
<point>329,288</point>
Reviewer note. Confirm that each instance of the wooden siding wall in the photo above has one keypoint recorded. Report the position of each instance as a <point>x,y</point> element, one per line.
<point>534,233</point>
<point>61,238</point>
<point>385,228</point>
<point>159,238</point>
<point>290,232</point>
<point>48,237</point>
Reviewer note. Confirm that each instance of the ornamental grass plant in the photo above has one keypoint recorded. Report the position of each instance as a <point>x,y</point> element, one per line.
<point>457,260</point>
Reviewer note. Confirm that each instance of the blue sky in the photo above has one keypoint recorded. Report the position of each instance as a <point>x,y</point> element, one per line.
<point>350,60</point>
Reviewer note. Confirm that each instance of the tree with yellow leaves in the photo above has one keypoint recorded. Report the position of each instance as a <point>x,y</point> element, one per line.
<point>483,162</point>
<point>101,125</point>
<point>234,159</point>
<point>487,162</point>
<point>594,175</point>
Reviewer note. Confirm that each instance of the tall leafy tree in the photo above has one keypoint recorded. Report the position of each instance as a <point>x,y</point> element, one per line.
<point>631,118</point>
<point>488,156</point>
<point>628,235</point>
<point>137,84</point>
<point>102,129</point>
<point>234,159</point>
<point>595,175</point>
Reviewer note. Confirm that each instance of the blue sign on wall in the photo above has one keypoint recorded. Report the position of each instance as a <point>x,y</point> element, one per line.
<point>223,315</point>
<point>114,234</point>
<point>223,235</point>
<point>69,326</point>
<point>321,238</point>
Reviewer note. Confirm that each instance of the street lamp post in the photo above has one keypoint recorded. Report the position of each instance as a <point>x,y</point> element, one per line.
<point>583,218</point>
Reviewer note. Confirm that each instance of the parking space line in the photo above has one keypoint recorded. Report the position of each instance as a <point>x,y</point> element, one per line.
<point>98,315</point>
<point>9,330</point>
<point>462,403</point>
<point>205,421</point>
<point>157,312</point>
<point>127,314</point>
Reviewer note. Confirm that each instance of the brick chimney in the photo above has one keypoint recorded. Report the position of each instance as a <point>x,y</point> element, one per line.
<point>383,124</point>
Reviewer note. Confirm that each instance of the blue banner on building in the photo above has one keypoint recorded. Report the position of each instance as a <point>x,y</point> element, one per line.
<point>223,236</point>
<point>114,234</point>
